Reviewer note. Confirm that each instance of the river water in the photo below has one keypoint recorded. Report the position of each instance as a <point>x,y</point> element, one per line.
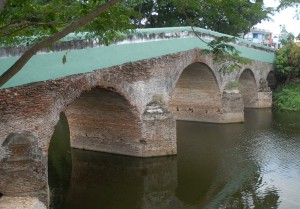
<point>255,164</point>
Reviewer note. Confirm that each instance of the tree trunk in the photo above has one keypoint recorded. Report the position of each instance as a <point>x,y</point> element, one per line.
<point>18,65</point>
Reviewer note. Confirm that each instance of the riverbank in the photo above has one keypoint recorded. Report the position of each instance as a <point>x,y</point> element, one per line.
<point>287,96</point>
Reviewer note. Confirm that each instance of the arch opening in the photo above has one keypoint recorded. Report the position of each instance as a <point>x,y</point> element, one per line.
<point>248,88</point>
<point>102,120</point>
<point>59,163</point>
<point>272,81</point>
<point>196,96</point>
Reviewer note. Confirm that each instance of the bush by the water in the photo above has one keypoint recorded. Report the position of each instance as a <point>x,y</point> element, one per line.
<point>287,97</point>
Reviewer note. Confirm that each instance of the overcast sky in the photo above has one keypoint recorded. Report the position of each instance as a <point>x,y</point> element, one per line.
<point>285,17</point>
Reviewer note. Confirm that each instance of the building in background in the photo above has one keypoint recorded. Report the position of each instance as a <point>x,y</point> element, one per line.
<point>264,37</point>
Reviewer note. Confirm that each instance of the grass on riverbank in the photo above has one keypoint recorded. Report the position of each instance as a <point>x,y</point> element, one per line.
<point>287,97</point>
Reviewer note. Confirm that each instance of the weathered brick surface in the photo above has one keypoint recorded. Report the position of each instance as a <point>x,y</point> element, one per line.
<point>158,131</point>
<point>102,120</point>
<point>232,108</point>
<point>23,170</point>
<point>197,96</point>
<point>135,87</point>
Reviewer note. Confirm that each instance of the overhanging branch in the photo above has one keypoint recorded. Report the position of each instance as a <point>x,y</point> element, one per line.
<point>19,64</point>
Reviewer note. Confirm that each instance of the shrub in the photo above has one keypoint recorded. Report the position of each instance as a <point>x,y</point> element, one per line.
<point>287,97</point>
<point>288,61</point>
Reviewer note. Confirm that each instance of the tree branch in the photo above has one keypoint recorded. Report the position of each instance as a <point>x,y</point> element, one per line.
<point>18,65</point>
<point>25,23</point>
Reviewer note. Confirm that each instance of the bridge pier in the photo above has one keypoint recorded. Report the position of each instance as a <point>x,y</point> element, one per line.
<point>264,99</point>
<point>23,170</point>
<point>232,107</point>
<point>158,131</point>
<point>264,94</point>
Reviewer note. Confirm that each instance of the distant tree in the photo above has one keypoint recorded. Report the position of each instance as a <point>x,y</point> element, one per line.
<point>287,39</point>
<point>225,16</point>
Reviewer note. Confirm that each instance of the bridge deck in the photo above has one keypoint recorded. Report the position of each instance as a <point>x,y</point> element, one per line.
<point>46,66</point>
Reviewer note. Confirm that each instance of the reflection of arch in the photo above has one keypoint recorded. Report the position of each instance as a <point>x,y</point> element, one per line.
<point>103,120</point>
<point>271,78</point>
<point>248,88</point>
<point>196,96</point>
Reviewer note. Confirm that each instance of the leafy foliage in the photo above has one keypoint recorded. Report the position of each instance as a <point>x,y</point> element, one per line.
<point>287,97</point>
<point>288,3</point>
<point>27,22</point>
<point>231,85</point>
<point>225,54</point>
<point>288,61</point>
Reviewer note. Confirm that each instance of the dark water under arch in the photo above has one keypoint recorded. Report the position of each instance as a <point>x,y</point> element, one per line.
<point>255,164</point>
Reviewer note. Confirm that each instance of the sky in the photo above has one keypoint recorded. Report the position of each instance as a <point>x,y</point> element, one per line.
<point>284,17</point>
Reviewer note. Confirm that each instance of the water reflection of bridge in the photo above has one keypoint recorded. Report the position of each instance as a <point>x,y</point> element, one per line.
<point>216,170</point>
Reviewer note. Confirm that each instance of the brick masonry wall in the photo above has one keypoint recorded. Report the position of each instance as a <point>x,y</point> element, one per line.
<point>102,120</point>
<point>23,170</point>
<point>196,96</point>
<point>35,107</point>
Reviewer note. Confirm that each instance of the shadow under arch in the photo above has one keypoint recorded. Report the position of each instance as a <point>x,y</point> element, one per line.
<point>59,163</point>
<point>272,81</point>
<point>196,96</point>
<point>248,88</point>
<point>103,120</point>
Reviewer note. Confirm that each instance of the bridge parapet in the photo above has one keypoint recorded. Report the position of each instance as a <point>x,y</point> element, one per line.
<point>78,41</point>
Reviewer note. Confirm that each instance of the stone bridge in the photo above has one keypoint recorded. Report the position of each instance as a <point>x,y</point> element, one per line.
<point>123,99</point>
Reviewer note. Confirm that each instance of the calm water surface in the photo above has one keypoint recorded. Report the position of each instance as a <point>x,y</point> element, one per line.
<point>255,164</point>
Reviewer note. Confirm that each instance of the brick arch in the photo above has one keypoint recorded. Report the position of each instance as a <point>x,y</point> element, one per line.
<point>196,95</point>
<point>248,88</point>
<point>57,95</point>
<point>103,120</point>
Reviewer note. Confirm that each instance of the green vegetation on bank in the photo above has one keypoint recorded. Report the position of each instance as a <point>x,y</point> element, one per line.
<point>287,63</point>
<point>287,97</point>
